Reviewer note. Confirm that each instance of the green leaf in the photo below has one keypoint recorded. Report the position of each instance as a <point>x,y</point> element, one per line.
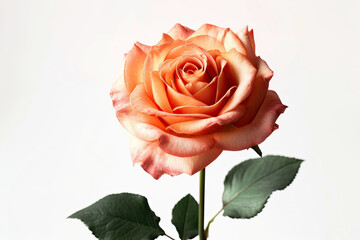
<point>249,184</point>
<point>185,217</point>
<point>121,216</point>
<point>257,149</point>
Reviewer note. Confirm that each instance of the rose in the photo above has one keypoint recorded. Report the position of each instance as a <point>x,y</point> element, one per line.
<point>193,95</point>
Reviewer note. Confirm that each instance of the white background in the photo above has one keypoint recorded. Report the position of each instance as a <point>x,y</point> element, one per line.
<point>61,147</point>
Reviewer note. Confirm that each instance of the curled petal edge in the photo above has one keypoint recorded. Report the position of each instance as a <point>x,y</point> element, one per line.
<point>157,162</point>
<point>254,133</point>
<point>179,31</point>
<point>150,128</point>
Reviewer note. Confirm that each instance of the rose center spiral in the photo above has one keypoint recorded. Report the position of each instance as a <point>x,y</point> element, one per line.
<point>192,68</point>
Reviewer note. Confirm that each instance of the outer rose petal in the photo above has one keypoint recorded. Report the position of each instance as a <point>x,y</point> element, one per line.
<point>252,39</point>
<point>149,128</point>
<point>133,70</point>
<point>185,146</point>
<point>210,30</point>
<point>257,131</point>
<point>157,162</point>
<point>126,116</point>
<point>165,39</point>
<point>207,125</point>
<point>258,93</point>
<point>171,144</point>
<point>246,40</point>
<point>225,36</point>
<point>206,42</point>
<point>135,122</point>
<point>180,32</point>
<point>231,40</point>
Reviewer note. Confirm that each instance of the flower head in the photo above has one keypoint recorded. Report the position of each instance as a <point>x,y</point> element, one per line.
<point>193,95</point>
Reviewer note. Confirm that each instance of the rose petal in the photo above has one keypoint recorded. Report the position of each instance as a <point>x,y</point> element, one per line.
<point>165,39</point>
<point>195,87</point>
<point>207,93</point>
<point>181,87</point>
<point>206,42</point>
<point>245,39</point>
<point>175,145</point>
<point>212,110</point>
<point>135,122</point>
<point>258,93</point>
<point>177,99</point>
<point>231,40</point>
<point>223,82</point>
<point>225,37</point>
<point>257,131</point>
<point>167,72</point>
<point>189,67</point>
<point>172,120</point>
<point>244,73</point>
<point>154,60</point>
<point>141,102</point>
<point>264,70</point>
<point>185,146</point>
<point>191,49</point>
<point>198,61</point>
<point>149,128</point>
<point>180,32</point>
<point>156,162</point>
<point>210,30</point>
<point>143,47</point>
<point>159,92</point>
<point>204,126</point>
<point>252,40</point>
<point>133,70</point>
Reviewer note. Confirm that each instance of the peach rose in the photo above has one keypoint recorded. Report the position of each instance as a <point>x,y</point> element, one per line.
<point>193,95</point>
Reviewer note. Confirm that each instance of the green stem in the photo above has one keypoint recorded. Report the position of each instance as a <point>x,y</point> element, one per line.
<point>202,205</point>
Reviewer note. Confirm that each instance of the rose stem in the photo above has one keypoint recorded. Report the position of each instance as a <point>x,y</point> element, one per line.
<point>201,205</point>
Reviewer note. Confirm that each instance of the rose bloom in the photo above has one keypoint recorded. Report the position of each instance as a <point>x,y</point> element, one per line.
<point>193,95</point>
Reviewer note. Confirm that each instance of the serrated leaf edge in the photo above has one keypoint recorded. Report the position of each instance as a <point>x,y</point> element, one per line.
<point>125,220</point>
<point>73,216</point>
<point>299,161</point>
